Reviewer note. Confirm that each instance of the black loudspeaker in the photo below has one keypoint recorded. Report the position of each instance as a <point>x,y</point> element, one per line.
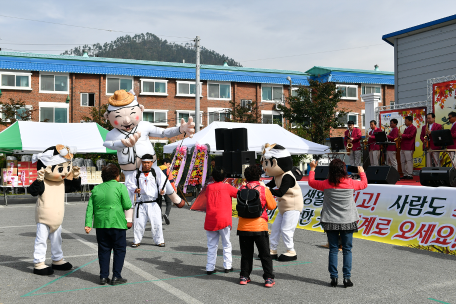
<point>239,139</point>
<point>220,139</point>
<point>436,177</point>
<point>228,140</point>
<point>219,161</point>
<point>240,158</point>
<point>382,175</point>
<point>321,172</point>
<point>226,162</point>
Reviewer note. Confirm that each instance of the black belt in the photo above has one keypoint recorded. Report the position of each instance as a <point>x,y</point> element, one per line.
<point>146,202</point>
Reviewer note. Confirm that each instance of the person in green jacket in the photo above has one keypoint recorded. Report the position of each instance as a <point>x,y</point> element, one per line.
<point>106,210</point>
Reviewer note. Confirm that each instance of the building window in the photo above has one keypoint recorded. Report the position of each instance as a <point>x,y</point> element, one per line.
<point>353,117</point>
<point>392,103</point>
<point>187,88</point>
<point>271,117</point>
<point>246,103</point>
<point>370,89</point>
<point>87,99</point>
<point>117,83</point>
<point>56,112</point>
<point>19,113</point>
<point>363,119</point>
<point>54,83</point>
<point>219,91</point>
<point>154,87</point>
<point>185,114</point>
<point>157,117</point>
<point>271,93</point>
<point>348,91</point>
<point>217,114</point>
<point>17,81</point>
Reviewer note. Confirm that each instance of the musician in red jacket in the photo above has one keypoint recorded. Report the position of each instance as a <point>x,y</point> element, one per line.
<point>432,159</point>
<point>391,149</point>
<point>218,221</point>
<point>374,150</point>
<point>353,135</point>
<point>452,120</point>
<point>408,147</point>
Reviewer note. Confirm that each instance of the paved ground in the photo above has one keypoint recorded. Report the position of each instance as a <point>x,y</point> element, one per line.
<point>381,273</point>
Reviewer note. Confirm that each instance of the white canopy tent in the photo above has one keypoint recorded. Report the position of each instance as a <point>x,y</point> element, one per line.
<point>258,135</point>
<point>24,137</point>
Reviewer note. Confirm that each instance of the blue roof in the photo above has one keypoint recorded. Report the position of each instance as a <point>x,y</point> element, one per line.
<point>351,76</point>
<point>108,66</point>
<point>419,28</point>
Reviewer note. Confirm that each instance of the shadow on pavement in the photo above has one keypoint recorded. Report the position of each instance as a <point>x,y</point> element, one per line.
<point>438,255</point>
<point>203,249</point>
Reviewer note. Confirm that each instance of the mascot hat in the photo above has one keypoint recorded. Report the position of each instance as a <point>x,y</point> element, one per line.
<point>122,99</point>
<point>55,155</point>
<point>278,152</point>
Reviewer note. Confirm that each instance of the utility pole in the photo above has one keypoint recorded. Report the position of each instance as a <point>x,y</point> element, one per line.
<point>197,86</point>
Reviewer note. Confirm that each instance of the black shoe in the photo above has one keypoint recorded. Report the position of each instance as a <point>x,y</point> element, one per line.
<point>211,272</point>
<point>65,267</point>
<point>104,281</point>
<point>117,281</point>
<point>334,282</point>
<point>45,271</point>
<point>229,270</point>
<point>348,283</point>
<point>165,217</point>
<point>273,256</point>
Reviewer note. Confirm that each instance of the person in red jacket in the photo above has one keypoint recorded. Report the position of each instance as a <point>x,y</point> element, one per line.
<point>374,150</point>
<point>432,159</point>
<point>218,221</point>
<point>391,149</point>
<point>452,120</point>
<point>353,135</point>
<point>408,147</point>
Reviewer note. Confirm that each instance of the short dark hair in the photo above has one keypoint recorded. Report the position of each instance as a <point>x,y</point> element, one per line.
<point>432,114</point>
<point>166,160</point>
<point>350,122</point>
<point>452,114</point>
<point>109,172</point>
<point>409,118</point>
<point>373,121</point>
<point>218,174</point>
<point>252,173</point>
<point>395,121</point>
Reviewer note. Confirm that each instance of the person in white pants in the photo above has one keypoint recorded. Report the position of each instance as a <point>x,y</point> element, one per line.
<point>284,225</point>
<point>42,235</point>
<point>218,221</point>
<point>147,185</point>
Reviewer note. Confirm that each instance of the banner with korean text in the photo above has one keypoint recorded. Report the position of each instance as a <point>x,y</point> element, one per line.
<point>395,214</point>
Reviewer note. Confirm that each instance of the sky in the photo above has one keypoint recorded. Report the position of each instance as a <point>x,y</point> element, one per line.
<point>287,35</point>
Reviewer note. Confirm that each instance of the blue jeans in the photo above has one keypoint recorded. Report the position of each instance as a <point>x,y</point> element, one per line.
<point>347,244</point>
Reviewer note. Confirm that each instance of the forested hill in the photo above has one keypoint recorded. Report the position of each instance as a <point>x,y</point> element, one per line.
<point>149,47</point>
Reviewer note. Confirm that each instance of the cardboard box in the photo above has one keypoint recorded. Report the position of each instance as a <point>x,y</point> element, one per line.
<point>23,165</point>
<point>33,165</point>
<point>13,181</point>
<point>9,171</point>
<point>11,162</point>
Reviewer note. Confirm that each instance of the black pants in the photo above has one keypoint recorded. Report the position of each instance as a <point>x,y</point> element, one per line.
<point>111,239</point>
<point>262,244</point>
<point>169,204</point>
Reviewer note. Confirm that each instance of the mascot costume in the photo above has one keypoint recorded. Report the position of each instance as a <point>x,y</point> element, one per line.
<point>278,164</point>
<point>130,137</point>
<point>56,175</point>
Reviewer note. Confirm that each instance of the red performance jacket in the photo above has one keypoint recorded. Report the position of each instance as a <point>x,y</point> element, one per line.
<point>435,127</point>
<point>219,206</point>
<point>356,135</point>
<point>408,139</point>
<point>392,136</point>
<point>371,140</point>
<point>453,134</point>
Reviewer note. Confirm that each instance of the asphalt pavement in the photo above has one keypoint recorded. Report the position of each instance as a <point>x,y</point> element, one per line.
<point>381,273</point>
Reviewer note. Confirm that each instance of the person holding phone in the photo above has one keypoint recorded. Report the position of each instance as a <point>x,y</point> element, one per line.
<point>339,215</point>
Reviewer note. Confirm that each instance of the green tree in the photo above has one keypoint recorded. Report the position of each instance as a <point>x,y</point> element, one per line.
<point>13,111</point>
<point>314,111</point>
<point>244,114</point>
<point>97,115</point>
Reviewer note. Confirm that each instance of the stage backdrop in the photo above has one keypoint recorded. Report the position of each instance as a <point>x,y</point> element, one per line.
<point>400,215</point>
<point>419,119</point>
<point>444,101</point>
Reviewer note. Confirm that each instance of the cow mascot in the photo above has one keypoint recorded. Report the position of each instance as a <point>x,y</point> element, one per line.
<point>130,137</point>
<point>56,176</point>
<point>278,164</point>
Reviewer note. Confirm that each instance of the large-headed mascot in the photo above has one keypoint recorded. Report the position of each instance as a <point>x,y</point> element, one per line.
<point>277,163</point>
<point>56,175</point>
<point>130,137</point>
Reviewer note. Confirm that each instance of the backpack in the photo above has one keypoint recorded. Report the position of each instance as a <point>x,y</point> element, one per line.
<point>249,203</point>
